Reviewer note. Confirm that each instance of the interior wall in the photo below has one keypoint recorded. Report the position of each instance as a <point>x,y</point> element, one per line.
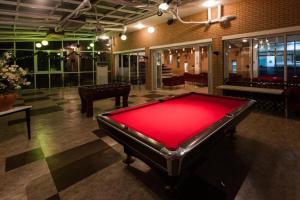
<point>251,16</point>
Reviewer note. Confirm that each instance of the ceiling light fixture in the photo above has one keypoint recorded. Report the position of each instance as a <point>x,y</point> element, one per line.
<point>103,37</point>
<point>140,26</point>
<point>151,29</point>
<point>45,43</point>
<point>245,40</point>
<point>163,6</point>
<point>123,37</point>
<point>38,45</point>
<point>211,3</point>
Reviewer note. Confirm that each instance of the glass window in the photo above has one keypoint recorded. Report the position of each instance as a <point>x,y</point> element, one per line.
<point>25,59</point>
<point>125,68</point>
<point>56,80</point>
<point>133,69</point>
<point>71,79</point>
<point>142,67</point>
<point>238,61</point>
<point>233,65</point>
<point>85,45</point>
<point>6,45</point>
<point>24,45</point>
<point>86,78</point>
<point>103,45</point>
<point>42,80</point>
<point>43,61</point>
<point>293,59</point>
<point>52,45</point>
<point>30,78</point>
<point>70,61</point>
<point>268,59</point>
<point>55,61</point>
<point>86,61</point>
<point>70,45</point>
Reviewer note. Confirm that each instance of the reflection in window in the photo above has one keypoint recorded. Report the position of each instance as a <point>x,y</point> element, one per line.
<point>71,79</point>
<point>86,61</point>
<point>55,61</point>
<point>133,69</point>
<point>42,80</point>
<point>233,66</point>
<point>6,45</point>
<point>125,76</point>
<point>25,59</point>
<point>268,59</point>
<point>238,61</point>
<point>56,80</point>
<point>293,58</point>
<point>70,61</point>
<point>70,45</point>
<point>52,45</point>
<point>86,78</point>
<point>24,45</point>
<point>43,61</point>
<point>30,78</point>
<point>85,45</point>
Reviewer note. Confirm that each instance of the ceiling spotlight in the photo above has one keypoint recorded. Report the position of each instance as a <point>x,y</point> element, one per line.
<point>211,3</point>
<point>45,43</point>
<point>151,29</point>
<point>38,45</point>
<point>92,45</point>
<point>245,40</point>
<point>140,26</point>
<point>163,6</point>
<point>103,37</point>
<point>123,37</point>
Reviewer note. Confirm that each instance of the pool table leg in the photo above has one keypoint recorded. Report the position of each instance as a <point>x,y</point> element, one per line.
<point>118,100</point>
<point>129,159</point>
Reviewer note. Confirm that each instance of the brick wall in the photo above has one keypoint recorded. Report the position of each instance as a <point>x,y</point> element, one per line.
<point>252,16</point>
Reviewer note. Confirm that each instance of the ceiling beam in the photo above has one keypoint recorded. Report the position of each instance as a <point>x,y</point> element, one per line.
<point>29,15</point>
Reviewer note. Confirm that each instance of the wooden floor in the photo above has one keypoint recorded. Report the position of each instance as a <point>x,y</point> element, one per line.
<point>68,158</point>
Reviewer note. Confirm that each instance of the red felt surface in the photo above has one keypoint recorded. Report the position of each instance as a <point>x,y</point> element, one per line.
<point>173,122</point>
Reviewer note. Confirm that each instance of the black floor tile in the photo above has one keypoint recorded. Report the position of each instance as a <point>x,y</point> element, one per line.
<point>57,99</point>
<point>67,157</point>
<point>69,173</point>
<point>50,95</point>
<point>35,112</point>
<point>16,121</point>
<point>99,133</point>
<point>54,197</point>
<point>62,103</point>
<point>34,99</point>
<point>19,104</point>
<point>153,96</point>
<point>45,110</point>
<point>19,160</point>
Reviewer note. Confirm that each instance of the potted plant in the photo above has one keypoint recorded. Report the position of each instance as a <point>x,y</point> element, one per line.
<point>12,78</point>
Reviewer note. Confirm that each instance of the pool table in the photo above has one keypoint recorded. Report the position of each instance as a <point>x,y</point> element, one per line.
<point>173,133</point>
